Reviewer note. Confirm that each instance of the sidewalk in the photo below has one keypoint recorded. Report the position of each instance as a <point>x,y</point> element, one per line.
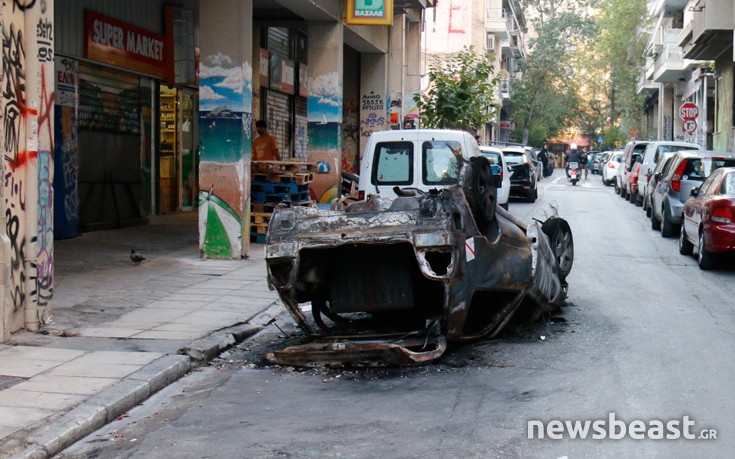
<point>119,332</point>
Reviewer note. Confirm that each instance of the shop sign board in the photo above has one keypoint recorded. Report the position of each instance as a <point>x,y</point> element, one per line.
<point>124,45</point>
<point>370,12</point>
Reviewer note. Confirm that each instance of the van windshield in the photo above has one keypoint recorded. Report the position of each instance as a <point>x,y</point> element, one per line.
<point>393,163</point>
<point>440,162</point>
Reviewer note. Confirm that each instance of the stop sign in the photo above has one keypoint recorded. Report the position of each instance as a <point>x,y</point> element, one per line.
<point>688,111</point>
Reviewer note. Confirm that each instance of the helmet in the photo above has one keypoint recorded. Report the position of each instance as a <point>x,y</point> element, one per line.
<point>573,146</point>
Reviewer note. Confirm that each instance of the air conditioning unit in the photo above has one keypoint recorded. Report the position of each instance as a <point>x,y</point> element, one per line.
<point>490,42</point>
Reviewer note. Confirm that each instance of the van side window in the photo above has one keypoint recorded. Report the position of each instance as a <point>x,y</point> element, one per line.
<point>440,162</point>
<point>393,164</point>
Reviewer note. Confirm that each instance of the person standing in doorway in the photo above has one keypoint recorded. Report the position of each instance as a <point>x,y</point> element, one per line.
<point>265,147</point>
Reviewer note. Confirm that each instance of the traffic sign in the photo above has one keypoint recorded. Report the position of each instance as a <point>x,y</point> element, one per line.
<point>689,126</point>
<point>688,111</point>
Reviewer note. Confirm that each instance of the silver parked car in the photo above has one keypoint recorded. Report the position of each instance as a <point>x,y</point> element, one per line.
<point>685,171</point>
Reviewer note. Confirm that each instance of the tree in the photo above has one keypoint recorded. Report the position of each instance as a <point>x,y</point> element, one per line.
<point>460,94</point>
<point>547,93</point>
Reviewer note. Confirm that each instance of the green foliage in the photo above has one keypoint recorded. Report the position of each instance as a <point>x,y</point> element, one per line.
<point>460,94</point>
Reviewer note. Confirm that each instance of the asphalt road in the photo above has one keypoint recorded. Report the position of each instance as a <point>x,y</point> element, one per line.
<point>646,335</point>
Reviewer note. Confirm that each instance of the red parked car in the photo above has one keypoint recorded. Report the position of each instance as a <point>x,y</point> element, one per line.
<point>709,218</point>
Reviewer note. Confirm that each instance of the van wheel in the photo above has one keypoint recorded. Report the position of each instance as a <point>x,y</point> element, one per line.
<point>480,192</point>
<point>562,244</point>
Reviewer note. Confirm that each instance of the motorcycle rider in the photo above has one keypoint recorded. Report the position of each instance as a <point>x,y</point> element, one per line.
<point>572,156</point>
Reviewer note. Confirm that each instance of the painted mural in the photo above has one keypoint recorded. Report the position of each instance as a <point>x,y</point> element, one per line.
<point>324,108</point>
<point>27,102</point>
<point>225,100</point>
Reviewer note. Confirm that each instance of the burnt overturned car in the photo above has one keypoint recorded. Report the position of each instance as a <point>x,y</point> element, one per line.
<point>393,281</point>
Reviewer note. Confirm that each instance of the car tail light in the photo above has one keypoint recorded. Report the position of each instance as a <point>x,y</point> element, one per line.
<point>361,195</point>
<point>610,165</point>
<point>722,215</point>
<point>676,178</point>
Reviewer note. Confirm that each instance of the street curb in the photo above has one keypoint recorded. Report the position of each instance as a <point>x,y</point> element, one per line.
<point>57,432</point>
<point>48,437</point>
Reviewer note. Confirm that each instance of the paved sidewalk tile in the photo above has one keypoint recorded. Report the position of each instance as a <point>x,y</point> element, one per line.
<point>65,384</point>
<point>120,357</point>
<point>93,369</point>
<point>43,400</point>
<point>41,353</point>
<point>24,368</point>
<point>20,417</point>
<point>170,334</point>
<point>108,332</point>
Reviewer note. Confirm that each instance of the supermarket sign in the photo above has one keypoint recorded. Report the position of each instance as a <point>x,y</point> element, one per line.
<point>124,45</point>
<point>369,12</point>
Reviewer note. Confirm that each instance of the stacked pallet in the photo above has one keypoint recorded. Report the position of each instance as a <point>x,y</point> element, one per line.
<point>274,183</point>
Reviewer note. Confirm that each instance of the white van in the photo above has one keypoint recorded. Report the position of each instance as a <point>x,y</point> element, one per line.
<point>418,158</point>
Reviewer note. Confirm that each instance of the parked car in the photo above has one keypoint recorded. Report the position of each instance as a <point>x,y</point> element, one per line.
<point>610,169</point>
<point>651,157</point>
<point>523,178</point>
<point>593,159</point>
<point>631,180</point>
<point>634,146</point>
<point>602,158</point>
<point>686,171</point>
<point>656,175</point>
<point>392,281</point>
<point>500,169</point>
<point>709,218</point>
<point>538,166</point>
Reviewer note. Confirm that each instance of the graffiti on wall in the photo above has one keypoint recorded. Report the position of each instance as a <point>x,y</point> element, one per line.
<point>28,124</point>
<point>225,100</point>
<point>324,108</point>
<point>66,158</point>
<point>350,138</point>
<point>14,149</point>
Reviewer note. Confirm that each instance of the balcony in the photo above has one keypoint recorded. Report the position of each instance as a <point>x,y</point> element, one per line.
<point>511,47</point>
<point>504,88</point>
<point>669,66</point>
<point>495,21</point>
<point>712,29</point>
<point>668,7</point>
<point>646,86</point>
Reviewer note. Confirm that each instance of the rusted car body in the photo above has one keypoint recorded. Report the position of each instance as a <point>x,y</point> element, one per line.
<point>392,281</point>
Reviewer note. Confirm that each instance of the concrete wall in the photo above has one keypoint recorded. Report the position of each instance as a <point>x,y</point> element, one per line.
<point>722,138</point>
<point>27,104</point>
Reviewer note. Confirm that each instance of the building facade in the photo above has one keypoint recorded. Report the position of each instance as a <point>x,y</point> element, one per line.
<point>494,27</point>
<point>689,60</point>
<point>117,111</point>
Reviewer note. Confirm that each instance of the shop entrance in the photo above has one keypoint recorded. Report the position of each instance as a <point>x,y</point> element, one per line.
<point>179,149</point>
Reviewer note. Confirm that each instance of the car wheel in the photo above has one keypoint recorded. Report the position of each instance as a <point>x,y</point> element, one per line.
<point>655,224</point>
<point>685,247</point>
<point>705,260</point>
<point>623,192</point>
<point>617,188</point>
<point>480,192</point>
<point>638,200</point>
<point>644,204</point>
<point>562,244</point>
<point>649,211</point>
<point>667,228</point>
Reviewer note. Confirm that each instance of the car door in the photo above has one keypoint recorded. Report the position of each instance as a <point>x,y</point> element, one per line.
<point>696,205</point>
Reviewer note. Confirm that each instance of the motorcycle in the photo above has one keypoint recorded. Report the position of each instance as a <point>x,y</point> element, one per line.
<point>573,172</point>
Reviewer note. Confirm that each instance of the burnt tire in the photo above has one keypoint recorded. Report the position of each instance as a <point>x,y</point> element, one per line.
<point>480,190</point>
<point>562,244</point>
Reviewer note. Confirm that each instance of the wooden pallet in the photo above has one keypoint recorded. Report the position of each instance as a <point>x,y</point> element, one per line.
<point>260,217</point>
<point>268,207</point>
<point>259,228</point>
<point>282,166</point>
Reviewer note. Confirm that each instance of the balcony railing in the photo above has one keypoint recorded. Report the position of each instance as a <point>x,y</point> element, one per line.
<point>495,20</point>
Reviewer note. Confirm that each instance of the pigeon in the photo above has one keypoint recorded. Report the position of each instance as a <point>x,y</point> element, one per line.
<point>135,257</point>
